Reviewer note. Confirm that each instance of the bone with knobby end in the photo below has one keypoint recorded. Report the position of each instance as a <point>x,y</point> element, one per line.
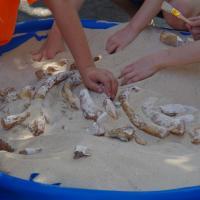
<point>9,122</point>
<point>50,82</point>
<point>88,107</point>
<point>138,121</point>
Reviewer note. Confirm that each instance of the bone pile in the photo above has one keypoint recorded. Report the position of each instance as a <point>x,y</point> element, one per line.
<point>161,121</point>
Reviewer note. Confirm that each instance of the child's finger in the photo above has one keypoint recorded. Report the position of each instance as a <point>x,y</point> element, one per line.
<point>126,70</point>
<point>127,78</point>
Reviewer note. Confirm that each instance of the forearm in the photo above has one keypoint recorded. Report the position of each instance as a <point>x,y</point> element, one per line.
<point>69,24</point>
<point>173,57</point>
<point>145,14</point>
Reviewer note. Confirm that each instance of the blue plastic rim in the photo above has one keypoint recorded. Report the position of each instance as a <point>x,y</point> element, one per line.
<point>12,188</point>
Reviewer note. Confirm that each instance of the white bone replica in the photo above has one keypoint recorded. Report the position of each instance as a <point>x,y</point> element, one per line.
<point>81,151</point>
<point>177,109</point>
<point>88,107</point>
<point>13,120</point>
<point>110,108</point>
<point>175,126</point>
<point>51,81</point>
<point>142,124</point>
<point>30,151</point>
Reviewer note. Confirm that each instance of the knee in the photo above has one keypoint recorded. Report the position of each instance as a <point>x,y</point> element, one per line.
<point>185,7</point>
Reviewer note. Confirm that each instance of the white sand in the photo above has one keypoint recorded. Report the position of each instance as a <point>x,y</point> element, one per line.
<point>161,164</point>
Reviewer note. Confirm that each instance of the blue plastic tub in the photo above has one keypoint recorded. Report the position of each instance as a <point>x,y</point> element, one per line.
<point>12,188</point>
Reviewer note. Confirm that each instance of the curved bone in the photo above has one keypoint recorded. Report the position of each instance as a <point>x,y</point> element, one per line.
<point>175,126</point>
<point>110,108</point>
<point>4,146</point>
<point>138,121</point>
<point>177,109</point>
<point>70,97</point>
<point>37,127</point>
<point>51,81</point>
<point>13,120</point>
<point>89,108</point>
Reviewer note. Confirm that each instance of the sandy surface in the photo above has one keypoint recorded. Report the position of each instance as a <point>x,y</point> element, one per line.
<point>161,164</point>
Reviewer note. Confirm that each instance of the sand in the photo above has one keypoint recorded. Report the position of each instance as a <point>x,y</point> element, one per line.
<point>114,165</point>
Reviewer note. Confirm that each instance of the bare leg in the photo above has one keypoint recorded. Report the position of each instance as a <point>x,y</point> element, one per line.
<point>189,8</point>
<point>54,43</point>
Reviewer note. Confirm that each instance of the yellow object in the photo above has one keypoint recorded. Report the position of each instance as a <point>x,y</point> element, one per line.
<point>175,12</point>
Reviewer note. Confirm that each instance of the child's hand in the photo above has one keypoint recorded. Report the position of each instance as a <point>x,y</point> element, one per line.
<point>139,70</point>
<point>194,27</point>
<point>100,80</point>
<point>120,39</point>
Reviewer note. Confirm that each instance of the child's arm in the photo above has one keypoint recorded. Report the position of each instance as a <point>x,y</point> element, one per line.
<point>149,65</point>
<point>73,34</point>
<point>140,20</point>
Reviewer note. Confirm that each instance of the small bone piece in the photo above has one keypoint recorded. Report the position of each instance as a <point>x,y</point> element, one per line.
<point>5,146</point>
<point>171,39</point>
<point>97,129</point>
<point>37,127</point>
<point>27,92</point>
<point>13,120</point>
<point>81,151</point>
<point>89,108</point>
<point>30,151</point>
<point>124,134</point>
<point>177,109</point>
<point>138,121</point>
<point>195,136</point>
<point>110,108</point>
<point>68,95</point>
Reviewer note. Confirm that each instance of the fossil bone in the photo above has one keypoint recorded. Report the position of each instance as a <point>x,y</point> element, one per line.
<point>110,108</point>
<point>13,120</point>
<point>142,124</point>
<point>30,151</point>
<point>89,108</point>
<point>175,126</point>
<point>37,127</point>
<point>81,151</point>
<point>51,81</point>
<point>4,146</point>
<point>177,109</point>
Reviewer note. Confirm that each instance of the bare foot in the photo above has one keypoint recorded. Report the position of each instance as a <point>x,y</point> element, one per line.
<point>52,46</point>
<point>120,39</point>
